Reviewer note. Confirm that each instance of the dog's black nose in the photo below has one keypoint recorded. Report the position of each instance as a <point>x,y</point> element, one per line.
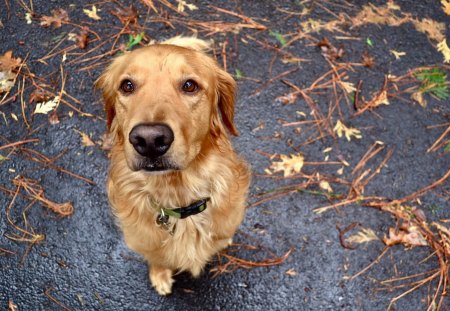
<point>151,140</point>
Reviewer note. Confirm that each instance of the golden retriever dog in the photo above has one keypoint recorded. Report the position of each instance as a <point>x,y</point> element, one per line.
<point>175,183</point>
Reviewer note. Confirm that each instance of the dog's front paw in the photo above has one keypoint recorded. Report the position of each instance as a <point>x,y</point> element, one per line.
<point>161,279</point>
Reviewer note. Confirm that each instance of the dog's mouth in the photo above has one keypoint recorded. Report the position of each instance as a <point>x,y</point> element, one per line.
<point>154,165</point>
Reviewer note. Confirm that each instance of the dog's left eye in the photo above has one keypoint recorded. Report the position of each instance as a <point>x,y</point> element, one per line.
<point>190,86</point>
<point>127,86</point>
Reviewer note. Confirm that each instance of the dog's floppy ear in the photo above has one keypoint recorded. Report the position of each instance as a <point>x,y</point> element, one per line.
<point>106,84</point>
<point>226,92</point>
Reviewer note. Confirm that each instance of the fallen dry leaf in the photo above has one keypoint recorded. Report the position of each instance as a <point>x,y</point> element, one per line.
<point>46,107</point>
<point>367,60</point>
<point>445,50</point>
<point>446,6</point>
<point>182,4</point>
<point>325,185</point>
<point>291,272</point>
<point>409,236</point>
<point>86,141</point>
<point>329,51</point>
<point>38,96</point>
<point>126,15</point>
<point>287,99</point>
<point>59,16</point>
<point>348,87</point>
<point>81,39</point>
<point>365,235</point>
<point>418,97</point>
<point>8,62</point>
<point>6,81</point>
<point>349,132</point>
<point>397,54</point>
<point>434,30</point>
<point>289,165</point>
<point>92,13</point>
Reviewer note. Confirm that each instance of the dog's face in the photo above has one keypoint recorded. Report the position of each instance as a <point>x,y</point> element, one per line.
<point>164,103</point>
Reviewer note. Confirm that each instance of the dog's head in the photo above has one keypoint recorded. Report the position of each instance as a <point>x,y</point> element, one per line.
<point>164,102</point>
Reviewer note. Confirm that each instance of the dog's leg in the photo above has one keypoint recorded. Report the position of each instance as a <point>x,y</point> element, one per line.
<point>161,279</point>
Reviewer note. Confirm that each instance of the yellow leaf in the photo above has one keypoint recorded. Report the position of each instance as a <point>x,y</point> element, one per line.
<point>92,13</point>
<point>445,50</point>
<point>47,106</point>
<point>363,236</point>
<point>28,18</point>
<point>6,81</point>
<point>418,97</point>
<point>182,4</point>
<point>291,272</point>
<point>325,185</point>
<point>288,165</point>
<point>341,129</point>
<point>348,87</point>
<point>398,54</point>
<point>446,6</point>
<point>86,141</point>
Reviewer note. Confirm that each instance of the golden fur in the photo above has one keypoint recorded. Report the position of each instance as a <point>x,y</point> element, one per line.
<point>206,164</point>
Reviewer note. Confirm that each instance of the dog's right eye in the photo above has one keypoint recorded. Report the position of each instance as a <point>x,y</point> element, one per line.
<point>127,86</point>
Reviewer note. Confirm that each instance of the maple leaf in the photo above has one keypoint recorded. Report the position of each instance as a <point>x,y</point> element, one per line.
<point>46,107</point>
<point>446,6</point>
<point>445,50</point>
<point>365,235</point>
<point>59,16</point>
<point>341,129</point>
<point>92,13</point>
<point>289,165</point>
<point>8,63</point>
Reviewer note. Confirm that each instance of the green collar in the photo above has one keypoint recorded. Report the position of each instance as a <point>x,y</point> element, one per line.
<point>184,212</point>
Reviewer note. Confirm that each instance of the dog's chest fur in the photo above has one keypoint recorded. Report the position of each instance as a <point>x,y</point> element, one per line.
<point>137,202</point>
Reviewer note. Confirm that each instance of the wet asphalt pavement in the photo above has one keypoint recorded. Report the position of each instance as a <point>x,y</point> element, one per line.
<point>83,262</point>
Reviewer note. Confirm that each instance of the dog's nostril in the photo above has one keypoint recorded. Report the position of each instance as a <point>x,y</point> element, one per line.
<point>140,141</point>
<point>159,141</point>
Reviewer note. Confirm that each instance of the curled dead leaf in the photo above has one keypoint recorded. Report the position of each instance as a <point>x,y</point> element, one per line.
<point>409,236</point>
<point>59,16</point>
<point>126,15</point>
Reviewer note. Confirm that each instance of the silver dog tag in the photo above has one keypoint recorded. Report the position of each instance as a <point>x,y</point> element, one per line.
<point>163,221</point>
